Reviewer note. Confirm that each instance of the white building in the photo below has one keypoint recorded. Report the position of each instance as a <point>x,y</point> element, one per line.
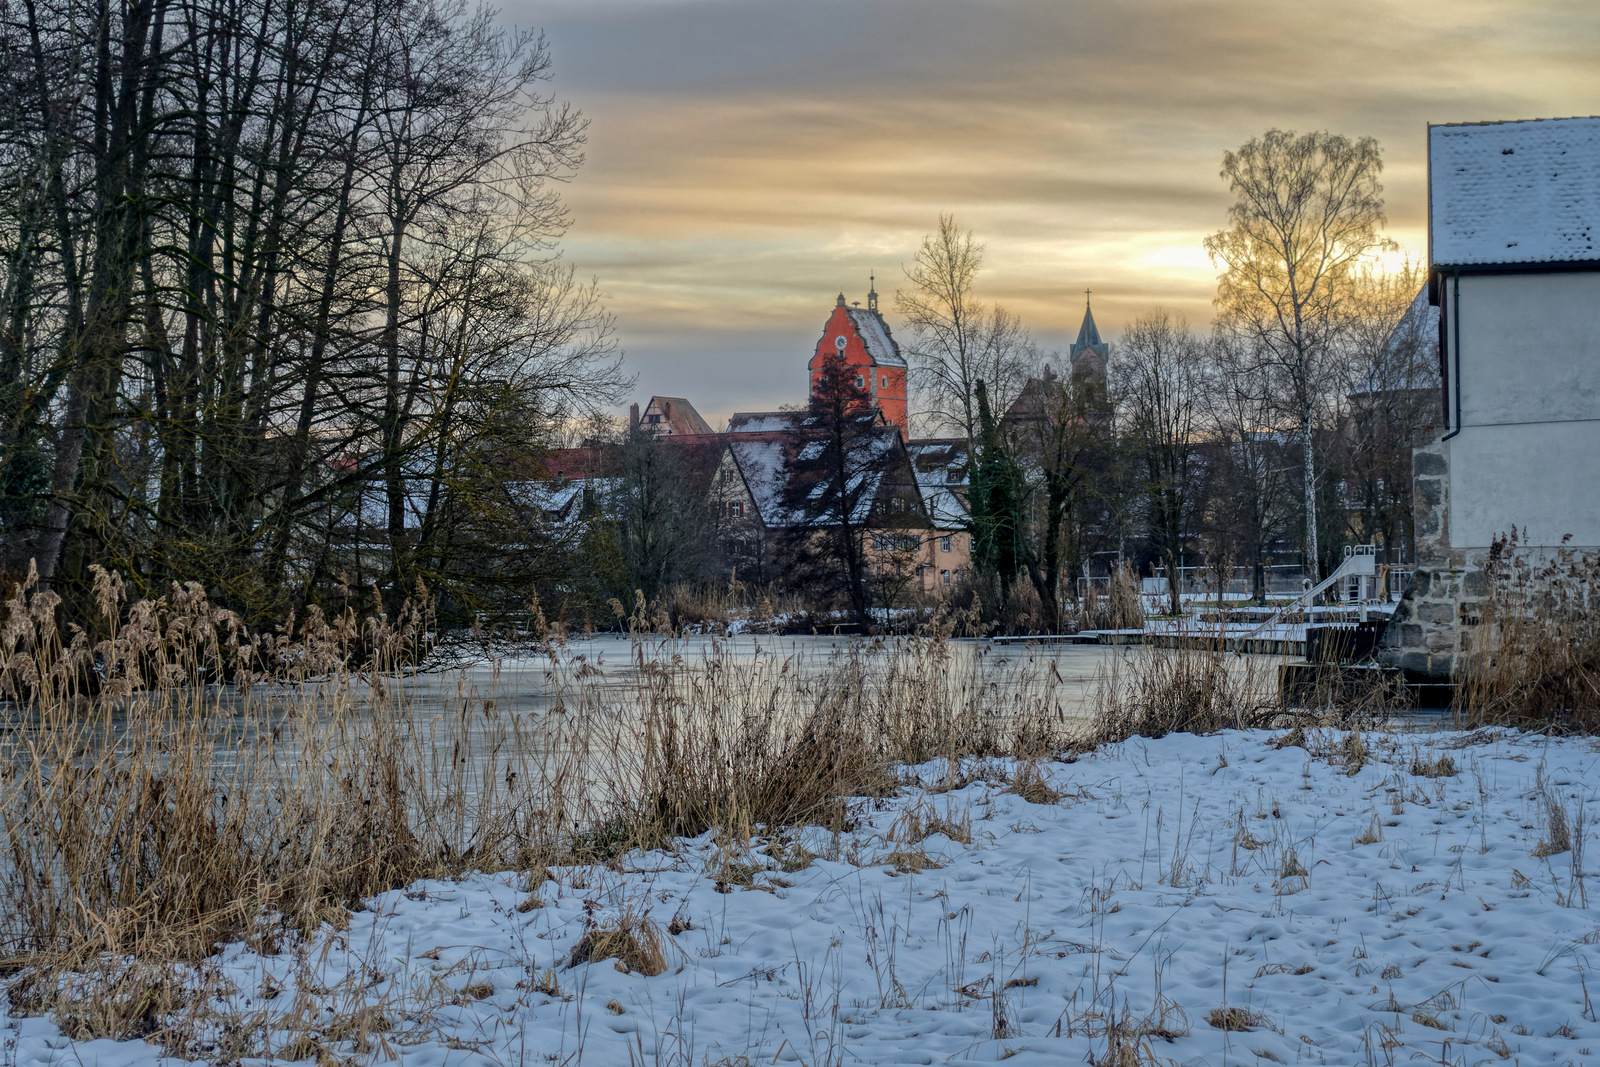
<point>1514,257</point>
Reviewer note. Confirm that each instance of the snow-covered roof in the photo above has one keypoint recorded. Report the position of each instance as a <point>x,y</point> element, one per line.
<point>1514,192</point>
<point>875,335</point>
<point>762,462</point>
<point>763,421</point>
<point>940,466</point>
<point>946,509</point>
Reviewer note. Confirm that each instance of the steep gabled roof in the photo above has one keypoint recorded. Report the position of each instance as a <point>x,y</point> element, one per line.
<point>1508,193</point>
<point>786,472</point>
<point>679,414</point>
<point>941,469</point>
<point>875,335</point>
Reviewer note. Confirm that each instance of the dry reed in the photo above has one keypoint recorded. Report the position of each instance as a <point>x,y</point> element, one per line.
<point>1533,657</point>
<point>1188,689</point>
<point>173,781</point>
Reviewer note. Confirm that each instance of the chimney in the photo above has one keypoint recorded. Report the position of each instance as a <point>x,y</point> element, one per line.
<point>633,418</point>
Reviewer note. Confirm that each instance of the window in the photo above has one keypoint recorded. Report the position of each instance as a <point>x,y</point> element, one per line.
<point>883,381</point>
<point>895,543</point>
<point>945,545</point>
<point>944,576</point>
<point>736,509</point>
<point>860,384</point>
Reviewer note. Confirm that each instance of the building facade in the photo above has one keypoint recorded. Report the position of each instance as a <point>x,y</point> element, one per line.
<point>1514,258</point>
<point>862,337</point>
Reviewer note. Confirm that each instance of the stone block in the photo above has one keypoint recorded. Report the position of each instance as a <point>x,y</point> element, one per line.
<point>1437,612</point>
<point>1421,582</point>
<point>1425,462</point>
<point>1429,491</point>
<point>1416,665</point>
<point>1410,636</point>
<point>1439,641</point>
<point>1474,584</point>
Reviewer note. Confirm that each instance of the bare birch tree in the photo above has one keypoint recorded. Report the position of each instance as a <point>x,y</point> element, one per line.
<point>955,340</point>
<point>1306,214</point>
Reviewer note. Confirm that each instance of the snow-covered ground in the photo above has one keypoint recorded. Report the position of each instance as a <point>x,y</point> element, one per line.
<point>1379,916</point>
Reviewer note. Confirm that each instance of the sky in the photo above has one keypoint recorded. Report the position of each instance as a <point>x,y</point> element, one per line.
<point>749,159</point>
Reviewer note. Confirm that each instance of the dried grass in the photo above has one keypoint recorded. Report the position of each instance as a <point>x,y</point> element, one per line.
<point>634,941</point>
<point>173,781</point>
<point>1188,689</point>
<point>1236,1019</point>
<point>1533,657</point>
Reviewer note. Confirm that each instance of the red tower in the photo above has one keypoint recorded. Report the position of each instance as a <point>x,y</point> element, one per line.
<point>863,338</point>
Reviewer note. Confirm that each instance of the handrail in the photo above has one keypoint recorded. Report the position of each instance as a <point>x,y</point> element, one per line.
<point>1358,560</point>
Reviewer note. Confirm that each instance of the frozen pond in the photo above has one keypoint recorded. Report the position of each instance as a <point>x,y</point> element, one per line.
<point>1069,674</point>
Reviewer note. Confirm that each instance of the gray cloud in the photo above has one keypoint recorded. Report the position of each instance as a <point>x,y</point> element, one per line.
<point>748,159</point>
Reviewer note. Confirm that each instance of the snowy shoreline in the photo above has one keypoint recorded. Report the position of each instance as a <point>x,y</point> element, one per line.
<point>1345,903</point>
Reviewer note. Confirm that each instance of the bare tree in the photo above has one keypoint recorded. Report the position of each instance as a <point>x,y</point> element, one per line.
<point>1306,213</point>
<point>260,261</point>
<point>1063,442</point>
<point>1392,338</point>
<point>1249,485</point>
<point>956,340</point>
<point>1161,380</point>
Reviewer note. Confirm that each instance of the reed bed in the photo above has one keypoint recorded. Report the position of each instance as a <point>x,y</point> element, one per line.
<point>172,781</point>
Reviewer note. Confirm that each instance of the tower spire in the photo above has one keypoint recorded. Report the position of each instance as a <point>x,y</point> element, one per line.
<point>872,292</point>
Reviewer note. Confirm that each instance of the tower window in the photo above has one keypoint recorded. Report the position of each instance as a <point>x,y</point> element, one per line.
<point>883,382</point>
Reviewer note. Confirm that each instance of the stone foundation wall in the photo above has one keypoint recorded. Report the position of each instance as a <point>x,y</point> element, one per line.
<point>1436,614</point>
<point>1438,621</point>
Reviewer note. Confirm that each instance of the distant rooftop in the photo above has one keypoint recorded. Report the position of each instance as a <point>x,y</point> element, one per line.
<point>1514,192</point>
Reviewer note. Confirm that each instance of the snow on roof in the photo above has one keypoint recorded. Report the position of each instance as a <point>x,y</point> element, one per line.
<point>761,462</point>
<point>1514,192</point>
<point>875,334</point>
<point>946,509</point>
<point>940,467</point>
<point>763,421</point>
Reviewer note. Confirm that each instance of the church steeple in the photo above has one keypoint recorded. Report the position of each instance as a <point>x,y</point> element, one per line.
<point>872,292</point>
<point>1088,334</point>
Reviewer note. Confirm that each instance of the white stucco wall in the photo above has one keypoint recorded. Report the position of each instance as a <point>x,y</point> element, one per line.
<point>1528,451</point>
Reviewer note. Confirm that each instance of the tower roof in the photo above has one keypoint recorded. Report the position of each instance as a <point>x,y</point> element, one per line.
<point>874,331</point>
<point>1088,334</point>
